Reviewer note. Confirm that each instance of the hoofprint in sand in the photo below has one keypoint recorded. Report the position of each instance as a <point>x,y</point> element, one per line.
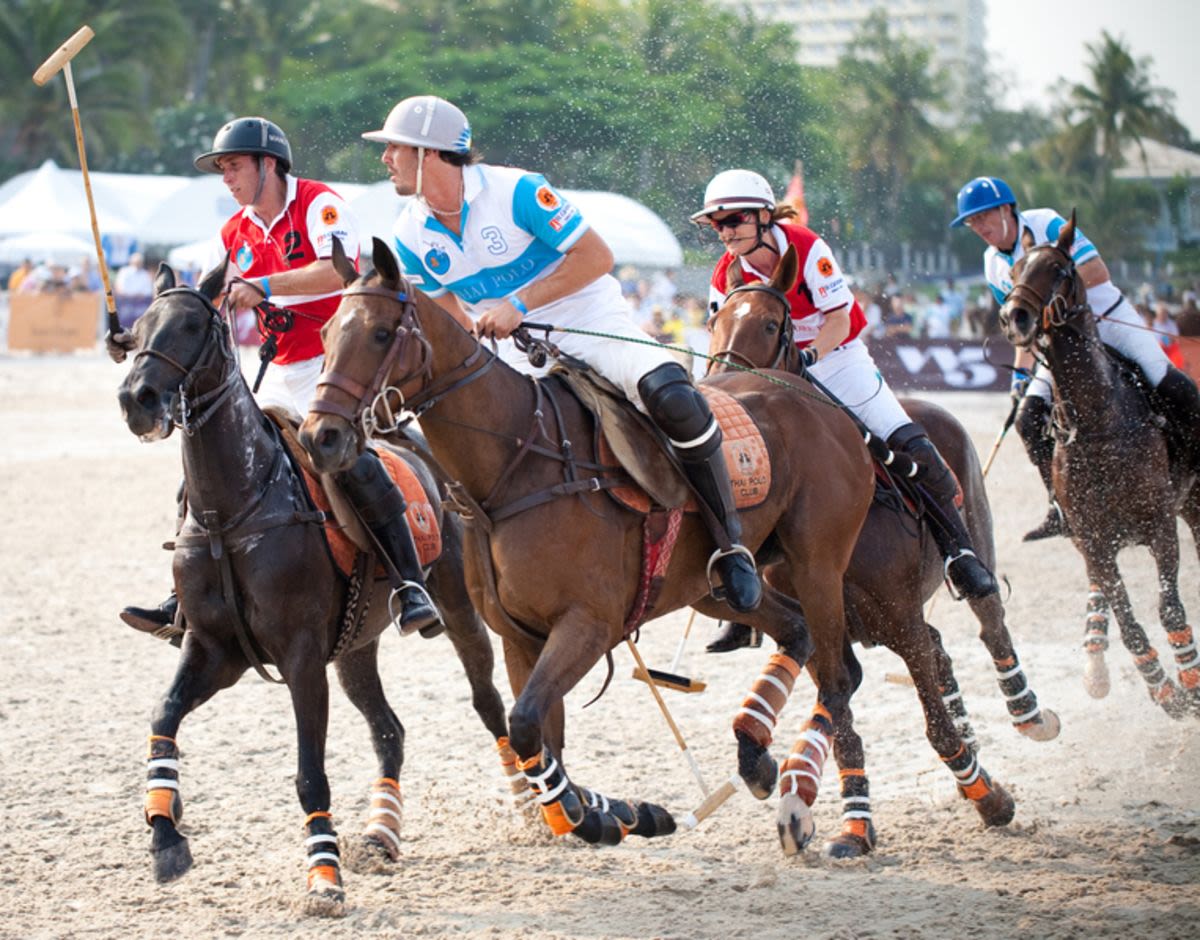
<point>1105,843</point>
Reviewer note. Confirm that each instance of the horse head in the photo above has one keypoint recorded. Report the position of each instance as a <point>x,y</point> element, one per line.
<point>376,359</point>
<point>754,325</point>
<point>1047,290</point>
<point>181,341</point>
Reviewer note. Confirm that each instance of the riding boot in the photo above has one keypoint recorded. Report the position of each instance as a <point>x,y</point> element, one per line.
<point>969,576</point>
<point>1179,402</point>
<point>1032,419</point>
<point>734,636</point>
<point>162,621</point>
<point>682,413</point>
<point>382,508</point>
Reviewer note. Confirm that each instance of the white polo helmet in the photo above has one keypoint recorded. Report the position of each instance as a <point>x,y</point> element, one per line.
<point>425,121</point>
<point>735,189</point>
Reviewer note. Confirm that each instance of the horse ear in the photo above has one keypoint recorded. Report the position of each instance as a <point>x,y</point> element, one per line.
<point>785,274</point>
<point>1027,242</point>
<point>343,265</point>
<point>385,262</point>
<point>164,279</point>
<point>1066,238</point>
<point>733,276</point>
<point>212,283</point>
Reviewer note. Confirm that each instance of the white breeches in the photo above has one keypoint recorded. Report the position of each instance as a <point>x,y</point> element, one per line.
<point>852,377</point>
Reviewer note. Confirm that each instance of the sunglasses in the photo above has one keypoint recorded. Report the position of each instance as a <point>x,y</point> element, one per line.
<point>733,221</point>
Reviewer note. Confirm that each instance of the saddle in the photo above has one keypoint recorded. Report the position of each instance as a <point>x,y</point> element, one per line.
<point>343,530</point>
<point>626,438</point>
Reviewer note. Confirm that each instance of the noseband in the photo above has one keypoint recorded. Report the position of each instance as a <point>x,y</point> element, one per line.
<point>786,332</point>
<point>1057,307</point>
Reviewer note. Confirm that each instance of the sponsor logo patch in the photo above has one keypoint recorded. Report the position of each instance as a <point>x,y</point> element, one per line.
<point>562,217</point>
<point>329,215</point>
<point>825,267</point>
<point>244,258</point>
<point>437,261</point>
<point>547,198</point>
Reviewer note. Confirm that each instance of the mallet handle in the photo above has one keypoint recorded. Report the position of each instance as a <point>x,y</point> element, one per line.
<point>62,55</point>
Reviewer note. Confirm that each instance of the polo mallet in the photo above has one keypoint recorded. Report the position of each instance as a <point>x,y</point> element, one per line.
<point>645,677</point>
<point>1008,423</point>
<point>672,679</point>
<point>61,59</point>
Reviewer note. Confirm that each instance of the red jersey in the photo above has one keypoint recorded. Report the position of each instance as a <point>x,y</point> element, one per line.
<point>312,215</point>
<point>820,287</point>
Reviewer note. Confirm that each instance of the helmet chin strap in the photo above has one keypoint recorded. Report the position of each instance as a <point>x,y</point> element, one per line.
<point>262,181</point>
<point>420,175</point>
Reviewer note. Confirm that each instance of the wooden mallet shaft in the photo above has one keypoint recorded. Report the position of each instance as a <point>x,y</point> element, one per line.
<point>60,60</point>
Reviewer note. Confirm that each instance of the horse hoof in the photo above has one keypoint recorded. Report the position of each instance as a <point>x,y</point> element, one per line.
<point>1172,701</point>
<point>1095,675</point>
<point>652,820</point>
<point>851,844</point>
<point>325,901</point>
<point>997,808</point>
<point>756,767</point>
<point>368,855</point>
<point>795,823</point>
<point>1044,728</point>
<point>599,828</point>
<point>171,861</point>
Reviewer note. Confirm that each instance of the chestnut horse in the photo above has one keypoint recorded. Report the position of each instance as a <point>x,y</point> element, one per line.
<point>257,584</point>
<point>895,567</point>
<point>555,564</point>
<point>1112,472</point>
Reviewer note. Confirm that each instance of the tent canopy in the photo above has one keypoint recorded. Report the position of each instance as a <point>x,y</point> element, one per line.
<point>54,247</point>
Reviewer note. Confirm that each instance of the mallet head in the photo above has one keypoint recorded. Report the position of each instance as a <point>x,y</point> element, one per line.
<point>62,55</point>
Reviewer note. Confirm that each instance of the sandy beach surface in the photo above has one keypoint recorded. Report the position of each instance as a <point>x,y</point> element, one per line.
<point>1105,843</point>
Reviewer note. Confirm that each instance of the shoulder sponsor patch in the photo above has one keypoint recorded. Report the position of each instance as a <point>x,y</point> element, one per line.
<point>547,198</point>
<point>562,217</point>
<point>824,267</point>
<point>329,215</point>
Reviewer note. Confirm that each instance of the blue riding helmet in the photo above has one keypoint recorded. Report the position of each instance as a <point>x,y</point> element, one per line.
<point>981,194</point>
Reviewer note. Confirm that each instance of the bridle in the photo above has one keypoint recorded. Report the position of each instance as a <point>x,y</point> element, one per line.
<point>1058,307</point>
<point>379,402</point>
<point>786,332</point>
<point>187,412</point>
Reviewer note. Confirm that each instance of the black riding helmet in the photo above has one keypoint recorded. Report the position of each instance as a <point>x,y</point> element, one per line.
<point>247,135</point>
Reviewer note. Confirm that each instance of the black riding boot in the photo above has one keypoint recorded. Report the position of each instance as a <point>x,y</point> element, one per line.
<point>966,572</point>
<point>732,635</point>
<point>161,621</point>
<point>1032,419</point>
<point>381,506</point>
<point>681,412</point>
<point>1179,402</point>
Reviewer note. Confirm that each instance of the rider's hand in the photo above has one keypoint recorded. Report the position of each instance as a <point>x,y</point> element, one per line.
<point>808,358</point>
<point>1020,384</point>
<point>118,344</point>
<point>499,322</point>
<point>245,295</point>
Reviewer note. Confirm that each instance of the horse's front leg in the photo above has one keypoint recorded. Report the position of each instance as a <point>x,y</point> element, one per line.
<point>202,671</point>
<point>358,673</point>
<point>309,688</point>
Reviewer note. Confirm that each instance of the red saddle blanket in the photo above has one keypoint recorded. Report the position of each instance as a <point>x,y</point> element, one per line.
<point>422,521</point>
<point>745,452</point>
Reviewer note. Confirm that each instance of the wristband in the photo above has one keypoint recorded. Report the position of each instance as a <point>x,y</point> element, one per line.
<point>266,287</point>
<point>518,304</point>
<point>1019,376</point>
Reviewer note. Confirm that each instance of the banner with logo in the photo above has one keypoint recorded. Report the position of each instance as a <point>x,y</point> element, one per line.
<point>944,365</point>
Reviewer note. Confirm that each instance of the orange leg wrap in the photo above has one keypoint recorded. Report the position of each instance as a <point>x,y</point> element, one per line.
<point>770,692</point>
<point>973,781</point>
<point>324,874</point>
<point>1186,657</point>
<point>510,764</point>
<point>385,816</point>
<point>801,772</point>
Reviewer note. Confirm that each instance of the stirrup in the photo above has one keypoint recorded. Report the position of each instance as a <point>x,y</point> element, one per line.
<point>718,555</point>
<point>742,597</point>
<point>950,586</point>
<point>397,617</point>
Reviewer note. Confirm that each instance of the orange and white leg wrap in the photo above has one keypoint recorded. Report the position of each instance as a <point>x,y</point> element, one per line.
<point>1187,658</point>
<point>561,807</point>
<point>760,711</point>
<point>801,772</point>
<point>973,781</point>
<point>518,786</point>
<point>386,815</point>
<point>856,805</point>
<point>1095,637</point>
<point>162,780</point>
<point>324,862</point>
<point>1162,689</point>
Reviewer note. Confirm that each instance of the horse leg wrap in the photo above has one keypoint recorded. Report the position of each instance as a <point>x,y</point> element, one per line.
<point>517,784</point>
<point>324,862</point>
<point>802,770</point>
<point>1186,657</point>
<point>561,807</point>
<point>162,780</point>
<point>953,700</point>
<point>760,711</point>
<point>386,815</point>
<point>973,781</point>
<point>606,821</point>
<point>1095,638</point>
<point>1162,690</point>
<point>857,837</point>
<point>1021,702</point>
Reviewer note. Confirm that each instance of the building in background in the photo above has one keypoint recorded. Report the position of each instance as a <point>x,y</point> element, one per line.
<point>953,29</point>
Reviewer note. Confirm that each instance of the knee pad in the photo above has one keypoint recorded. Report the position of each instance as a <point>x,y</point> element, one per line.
<point>678,408</point>
<point>1031,418</point>
<point>905,436</point>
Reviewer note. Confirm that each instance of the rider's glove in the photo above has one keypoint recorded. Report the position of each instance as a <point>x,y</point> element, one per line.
<point>808,358</point>
<point>1020,383</point>
<point>118,344</point>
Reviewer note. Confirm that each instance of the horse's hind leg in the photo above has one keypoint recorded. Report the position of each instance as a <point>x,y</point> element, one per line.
<point>1095,643</point>
<point>952,697</point>
<point>1165,549</point>
<point>1027,716</point>
<point>201,673</point>
<point>358,673</point>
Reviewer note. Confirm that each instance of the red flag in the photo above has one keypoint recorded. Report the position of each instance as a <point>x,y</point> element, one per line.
<point>795,194</point>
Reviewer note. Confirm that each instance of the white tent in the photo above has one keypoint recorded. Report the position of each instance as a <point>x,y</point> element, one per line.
<point>54,247</point>
<point>53,200</point>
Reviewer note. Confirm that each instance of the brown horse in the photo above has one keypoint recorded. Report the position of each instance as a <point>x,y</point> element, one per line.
<point>895,567</point>
<point>555,565</point>
<point>1112,471</point>
<point>257,584</point>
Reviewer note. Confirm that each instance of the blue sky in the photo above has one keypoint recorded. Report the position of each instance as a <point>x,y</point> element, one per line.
<point>1038,43</point>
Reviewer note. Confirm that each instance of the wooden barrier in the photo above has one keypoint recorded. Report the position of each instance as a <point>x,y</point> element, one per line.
<point>54,322</point>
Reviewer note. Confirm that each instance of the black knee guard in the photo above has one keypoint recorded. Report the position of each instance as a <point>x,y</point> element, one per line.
<point>678,408</point>
<point>932,471</point>
<point>1033,418</point>
<point>372,491</point>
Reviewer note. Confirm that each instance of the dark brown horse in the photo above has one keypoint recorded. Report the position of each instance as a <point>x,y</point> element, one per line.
<point>257,584</point>
<point>555,565</point>
<point>895,567</point>
<point>1113,473</point>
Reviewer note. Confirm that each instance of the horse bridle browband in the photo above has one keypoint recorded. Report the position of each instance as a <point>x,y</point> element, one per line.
<point>786,334</point>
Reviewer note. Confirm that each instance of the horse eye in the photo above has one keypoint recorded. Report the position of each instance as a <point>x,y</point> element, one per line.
<point>383,335</point>
<point>772,328</point>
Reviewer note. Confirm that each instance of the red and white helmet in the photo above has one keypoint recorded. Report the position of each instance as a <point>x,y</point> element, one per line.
<point>735,189</point>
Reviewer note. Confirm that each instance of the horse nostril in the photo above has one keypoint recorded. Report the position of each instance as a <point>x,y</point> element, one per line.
<point>147,398</point>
